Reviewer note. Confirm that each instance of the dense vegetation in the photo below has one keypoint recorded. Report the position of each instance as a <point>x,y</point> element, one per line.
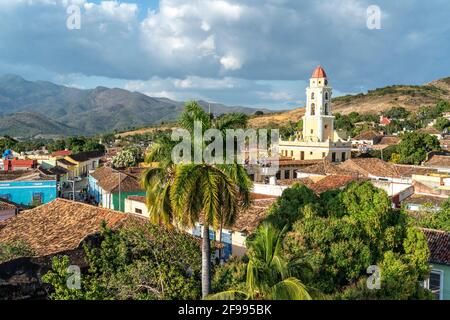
<point>333,239</point>
<point>432,219</point>
<point>136,262</point>
<point>14,250</point>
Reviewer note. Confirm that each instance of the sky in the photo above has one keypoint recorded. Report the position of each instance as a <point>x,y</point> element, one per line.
<point>257,53</point>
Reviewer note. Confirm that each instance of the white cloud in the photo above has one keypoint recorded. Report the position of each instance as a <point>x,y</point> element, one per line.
<point>230,62</point>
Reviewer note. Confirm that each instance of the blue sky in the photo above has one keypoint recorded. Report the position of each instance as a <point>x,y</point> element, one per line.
<point>237,52</point>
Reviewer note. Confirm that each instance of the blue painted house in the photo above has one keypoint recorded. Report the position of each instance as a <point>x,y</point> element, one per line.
<point>29,188</point>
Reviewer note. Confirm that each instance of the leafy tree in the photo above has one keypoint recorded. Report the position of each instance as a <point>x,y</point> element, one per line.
<point>14,250</point>
<point>268,275</point>
<point>259,113</point>
<point>414,147</point>
<point>397,113</point>
<point>442,124</point>
<point>352,230</point>
<point>439,220</point>
<point>93,145</point>
<point>136,262</point>
<point>127,158</point>
<point>288,208</point>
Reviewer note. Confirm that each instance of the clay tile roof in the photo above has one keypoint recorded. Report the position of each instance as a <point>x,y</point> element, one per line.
<point>408,170</point>
<point>137,198</point>
<point>430,130</point>
<point>249,220</point>
<point>390,140</point>
<point>58,226</point>
<point>7,205</point>
<point>303,181</point>
<point>324,167</point>
<point>331,183</point>
<point>438,161</point>
<point>85,156</point>
<point>439,245</point>
<point>423,199</point>
<point>370,166</point>
<point>61,153</point>
<point>319,72</point>
<point>108,179</point>
<point>367,135</point>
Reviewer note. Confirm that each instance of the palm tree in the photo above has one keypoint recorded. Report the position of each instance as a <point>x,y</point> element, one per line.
<point>269,275</point>
<point>185,194</point>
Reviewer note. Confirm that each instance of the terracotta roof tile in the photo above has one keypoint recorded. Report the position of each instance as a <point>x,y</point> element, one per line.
<point>368,135</point>
<point>58,226</point>
<point>424,198</point>
<point>108,179</point>
<point>439,245</point>
<point>438,161</point>
<point>319,72</point>
<point>370,166</point>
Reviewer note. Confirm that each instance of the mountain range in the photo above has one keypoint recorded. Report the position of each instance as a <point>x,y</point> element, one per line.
<point>41,108</point>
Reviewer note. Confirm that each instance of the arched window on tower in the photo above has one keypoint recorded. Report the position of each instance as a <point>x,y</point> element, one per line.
<point>313,109</point>
<point>326,109</point>
<point>326,95</point>
<point>312,95</point>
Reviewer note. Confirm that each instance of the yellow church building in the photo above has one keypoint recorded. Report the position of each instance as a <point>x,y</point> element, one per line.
<point>318,140</point>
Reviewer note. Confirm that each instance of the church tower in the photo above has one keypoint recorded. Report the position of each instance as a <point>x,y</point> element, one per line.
<point>318,120</point>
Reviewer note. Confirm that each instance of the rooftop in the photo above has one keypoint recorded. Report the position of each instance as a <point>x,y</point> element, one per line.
<point>390,140</point>
<point>110,180</point>
<point>85,156</point>
<point>61,153</point>
<point>368,135</point>
<point>323,167</point>
<point>438,161</point>
<point>439,245</point>
<point>424,199</point>
<point>319,72</point>
<point>26,175</point>
<point>370,167</point>
<point>58,226</point>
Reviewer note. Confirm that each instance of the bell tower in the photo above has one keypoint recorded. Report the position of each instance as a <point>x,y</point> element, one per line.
<point>318,121</point>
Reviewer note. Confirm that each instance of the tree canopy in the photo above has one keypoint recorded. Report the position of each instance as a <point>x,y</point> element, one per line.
<point>414,147</point>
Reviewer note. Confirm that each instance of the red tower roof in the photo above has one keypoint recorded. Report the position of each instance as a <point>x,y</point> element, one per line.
<point>319,73</point>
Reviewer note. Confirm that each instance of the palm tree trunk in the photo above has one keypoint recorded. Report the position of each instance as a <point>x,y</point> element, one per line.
<point>206,261</point>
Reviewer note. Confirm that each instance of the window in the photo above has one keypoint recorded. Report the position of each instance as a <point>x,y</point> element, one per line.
<point>312,131</point>
<point>326,108</point>
<point>312,95</point>
<point>313,109</point>
<point>138,211</point>
<point>37,198</point>
<point>343,156</point>
<point>278,175</point>
<point>326,95</point>
<point>326,126</point>
<point>292,153</point>
<point>326,81</point>
<point>287,174</point>
<point>333,157</point>
<point>302,155</point>
<point>93,165</point>
<point>434,283</point>
<point>320,82</point>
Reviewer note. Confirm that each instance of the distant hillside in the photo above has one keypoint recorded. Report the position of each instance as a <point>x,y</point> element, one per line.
<point>26,124</point>
<point>374,101</point>
<point>88,111</point>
